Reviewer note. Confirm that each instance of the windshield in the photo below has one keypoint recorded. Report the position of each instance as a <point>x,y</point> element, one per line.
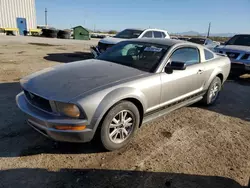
<point>197,40</point>
<point>129,34</point>
<point>139,55</point>
<point>242,40</point>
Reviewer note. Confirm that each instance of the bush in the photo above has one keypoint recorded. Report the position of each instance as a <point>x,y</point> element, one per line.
<point>112,32</point>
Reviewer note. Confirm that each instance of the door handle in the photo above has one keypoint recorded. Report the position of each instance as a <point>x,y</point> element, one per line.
<point>200,71</point>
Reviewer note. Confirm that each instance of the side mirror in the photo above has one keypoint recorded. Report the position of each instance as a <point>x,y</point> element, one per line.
<point>174,65</point>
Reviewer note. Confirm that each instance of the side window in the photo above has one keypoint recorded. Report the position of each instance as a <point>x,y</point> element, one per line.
<point>157,34</point>
<point>187,55</point>
<point>148,34</point>
<point>208,55</point>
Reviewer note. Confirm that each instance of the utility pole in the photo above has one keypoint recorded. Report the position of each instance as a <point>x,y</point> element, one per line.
<point>46,17</point>
<point>209,27</point>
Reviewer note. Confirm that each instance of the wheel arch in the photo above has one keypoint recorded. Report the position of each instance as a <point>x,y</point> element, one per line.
<point>116,96</point>
<point>139,106</point>
<point>220,75</point>
<point>216,73</point>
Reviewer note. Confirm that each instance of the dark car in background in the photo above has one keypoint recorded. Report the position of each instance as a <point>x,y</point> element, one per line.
<point>238,50</point>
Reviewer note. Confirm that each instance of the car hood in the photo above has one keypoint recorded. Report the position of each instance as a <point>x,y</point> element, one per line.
<point>65,82</point>
<point>235,47</point>
<point>111,40</point>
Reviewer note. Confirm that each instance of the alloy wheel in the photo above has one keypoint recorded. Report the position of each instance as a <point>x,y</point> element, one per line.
<point>121,126</point>
<point>214,91</point>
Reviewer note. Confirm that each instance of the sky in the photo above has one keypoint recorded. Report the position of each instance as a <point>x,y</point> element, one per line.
<point>226,16</point>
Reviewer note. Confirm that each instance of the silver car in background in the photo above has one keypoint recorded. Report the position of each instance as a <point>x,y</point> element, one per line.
<point>238,50</point>
<point>111,96</point>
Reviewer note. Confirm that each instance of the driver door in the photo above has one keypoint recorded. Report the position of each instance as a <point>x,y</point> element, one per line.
<point>182,83</point>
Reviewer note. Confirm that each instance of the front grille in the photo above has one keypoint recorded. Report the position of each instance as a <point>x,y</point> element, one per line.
<point>232,55</point>
<point>38,101</point>
<point>103,47</point>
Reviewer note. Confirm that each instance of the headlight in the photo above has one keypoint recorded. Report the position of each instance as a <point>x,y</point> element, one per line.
<point>68,109</point>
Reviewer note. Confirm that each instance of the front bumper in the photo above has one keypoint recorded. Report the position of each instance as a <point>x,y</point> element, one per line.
<point>239,67</point>
<point>95,51</point>
<point>44,123</point>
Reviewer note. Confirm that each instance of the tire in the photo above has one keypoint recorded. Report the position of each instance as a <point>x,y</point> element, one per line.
<point>209,98</point>
<point>113,136</point>
<point>63,34</point>
<point>50,33</point>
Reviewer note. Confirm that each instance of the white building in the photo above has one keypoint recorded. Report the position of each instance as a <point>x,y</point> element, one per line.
<point>18,15</point>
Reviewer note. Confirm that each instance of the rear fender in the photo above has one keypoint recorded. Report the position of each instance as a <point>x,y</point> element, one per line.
<point>216,72</point>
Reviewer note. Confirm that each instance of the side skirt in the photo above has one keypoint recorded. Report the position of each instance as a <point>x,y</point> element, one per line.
<point>171,107</point>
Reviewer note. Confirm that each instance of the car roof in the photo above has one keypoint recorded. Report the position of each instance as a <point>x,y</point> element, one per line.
<point>138,29</point>
<point>242,35</point>
<point>203,38</point>
<point>162,41</point>
<point>149,29</point>
<point>154,29</point>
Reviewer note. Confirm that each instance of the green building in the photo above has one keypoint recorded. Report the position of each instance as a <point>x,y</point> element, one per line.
<point>81,33</point>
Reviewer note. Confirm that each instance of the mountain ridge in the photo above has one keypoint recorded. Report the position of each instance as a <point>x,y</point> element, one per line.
<point>195,33</point>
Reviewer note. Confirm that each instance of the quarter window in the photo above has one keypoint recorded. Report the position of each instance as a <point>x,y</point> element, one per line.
<point>148,34</point>
<point>157,34</point>
<point>208,55</point>
<point>163,35</point>
<point>187,55</point>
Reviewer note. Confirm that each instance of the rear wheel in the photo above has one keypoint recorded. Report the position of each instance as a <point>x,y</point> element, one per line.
<point>213,91</point>
<point>119,125</point>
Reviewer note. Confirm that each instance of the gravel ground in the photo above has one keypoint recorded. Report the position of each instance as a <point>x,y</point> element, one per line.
<point>191,147</point>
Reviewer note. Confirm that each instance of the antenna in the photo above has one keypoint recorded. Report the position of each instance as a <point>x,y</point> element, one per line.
<point>209,27</point>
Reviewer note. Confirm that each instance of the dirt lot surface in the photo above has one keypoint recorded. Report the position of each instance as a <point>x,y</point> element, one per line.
<point>192,147</point>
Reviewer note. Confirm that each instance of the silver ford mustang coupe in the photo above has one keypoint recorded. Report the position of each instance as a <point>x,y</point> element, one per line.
<point>111,96</point>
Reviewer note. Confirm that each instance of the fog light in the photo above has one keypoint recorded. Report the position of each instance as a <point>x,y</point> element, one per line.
<point>69,127</point>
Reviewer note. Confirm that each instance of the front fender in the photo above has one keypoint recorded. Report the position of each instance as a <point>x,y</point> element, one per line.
<point>112,98</point>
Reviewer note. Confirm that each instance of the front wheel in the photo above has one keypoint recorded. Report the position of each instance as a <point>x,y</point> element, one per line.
<point>213,91</point>
<point>119,125</point>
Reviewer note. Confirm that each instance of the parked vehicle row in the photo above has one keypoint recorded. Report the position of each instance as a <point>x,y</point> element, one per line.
<point>111,96</point>
<point>107,42</point>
